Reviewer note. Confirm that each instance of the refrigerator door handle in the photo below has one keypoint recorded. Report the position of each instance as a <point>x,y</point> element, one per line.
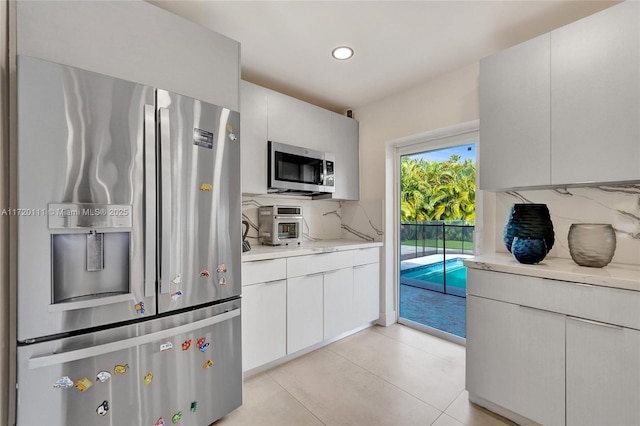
<point>91,351</point>
<point>165,171</point>
<point>150,201</point>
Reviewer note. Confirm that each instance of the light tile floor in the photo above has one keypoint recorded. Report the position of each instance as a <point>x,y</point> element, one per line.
<point>380,376</point>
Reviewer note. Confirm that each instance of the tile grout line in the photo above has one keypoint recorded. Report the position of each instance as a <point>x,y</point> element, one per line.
<point>385,380</point>
<point>412,346</point>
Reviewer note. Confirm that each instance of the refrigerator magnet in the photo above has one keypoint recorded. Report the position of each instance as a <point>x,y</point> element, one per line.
<point>222,268</point>
<point>186,344</point>
<point>160,422</point>
<point>207,364</point>
<point>120,369</point>
<point>176,417</point>
<point>84,384</point>
<point>63,383</point>
<point>176,295</point>
<point>103,376</point>
<point>204,347</point>
<point>166,346</point>
<point>147,378</point>
<point>103,408</point>
<point>139,307</point>
<point>194,406</point>
<point>204,273</point>
<point>223,281</point>
<point>206,187</point>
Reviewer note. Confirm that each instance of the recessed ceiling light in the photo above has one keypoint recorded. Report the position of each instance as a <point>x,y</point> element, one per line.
<point>342,53</point>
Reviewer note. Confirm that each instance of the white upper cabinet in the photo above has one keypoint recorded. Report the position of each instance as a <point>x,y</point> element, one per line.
<point>253,138</point>
<point>266,115</point>
<point>595,98</point>
<point>345,146</point>
<point>563,108</point>
<point>515,138</point>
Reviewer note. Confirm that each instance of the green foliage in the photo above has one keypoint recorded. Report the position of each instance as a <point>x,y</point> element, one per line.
<point>432,190</point>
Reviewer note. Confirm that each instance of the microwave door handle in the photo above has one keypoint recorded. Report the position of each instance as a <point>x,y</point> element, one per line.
<point>150,201</point>
<point>165,172</point>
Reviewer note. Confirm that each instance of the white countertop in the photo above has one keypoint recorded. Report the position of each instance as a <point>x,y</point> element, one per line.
<point>613,275</point>
<point>261,252</point>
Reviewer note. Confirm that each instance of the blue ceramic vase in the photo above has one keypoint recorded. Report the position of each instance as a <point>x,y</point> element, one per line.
<point>529,221</point>
<point>529,250</point>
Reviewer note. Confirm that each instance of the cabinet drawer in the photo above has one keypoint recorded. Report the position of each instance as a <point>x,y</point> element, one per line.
<point>315,263</point>
<point>365,256</point>
<point>261,271</point>
<point>605,304</point>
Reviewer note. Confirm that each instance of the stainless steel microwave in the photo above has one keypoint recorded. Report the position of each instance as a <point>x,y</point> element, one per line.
<point>299,171</point>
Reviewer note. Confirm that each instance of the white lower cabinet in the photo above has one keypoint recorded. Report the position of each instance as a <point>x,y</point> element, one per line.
<point>305,315</point>
<point>338,302</point>
<point>366,293</point>
<point>603,374</point>
<point>557,363</point>
<point>264,323</point>
<point>516,358</point>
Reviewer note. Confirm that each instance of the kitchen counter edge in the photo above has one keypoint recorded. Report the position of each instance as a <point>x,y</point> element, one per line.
<point>316,247</point>
<point>615,275</point>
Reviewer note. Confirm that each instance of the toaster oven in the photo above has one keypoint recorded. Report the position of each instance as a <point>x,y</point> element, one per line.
<point>280,225</point>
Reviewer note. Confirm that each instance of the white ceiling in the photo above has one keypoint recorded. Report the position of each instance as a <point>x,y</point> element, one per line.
<point>286,45</point>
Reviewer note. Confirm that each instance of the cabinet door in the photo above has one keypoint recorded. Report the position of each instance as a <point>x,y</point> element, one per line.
<point>595,97</point>
<point>366,293</point>
<point>345,146</point>
<point>304,312</point>
<point>253,138</point>
<point>516,358</point>
<point>294,122</point>
<point>338,302</point>
<point>264,323</point>
<point>603,374</point>
<point>515,117</point>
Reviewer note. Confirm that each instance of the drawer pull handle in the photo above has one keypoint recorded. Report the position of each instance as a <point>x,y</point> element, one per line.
<point>601,324</point>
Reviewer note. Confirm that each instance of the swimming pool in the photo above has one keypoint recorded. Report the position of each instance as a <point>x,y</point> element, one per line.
<point>432,277</point>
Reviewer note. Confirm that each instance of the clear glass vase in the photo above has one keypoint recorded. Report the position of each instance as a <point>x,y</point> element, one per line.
<point>592,244</point>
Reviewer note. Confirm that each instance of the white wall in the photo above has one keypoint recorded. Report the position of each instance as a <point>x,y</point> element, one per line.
<point>447,100</point>
<point>133,40</point>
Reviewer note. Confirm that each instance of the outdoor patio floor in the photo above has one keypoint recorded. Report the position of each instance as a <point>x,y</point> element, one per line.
<point>433,309</point>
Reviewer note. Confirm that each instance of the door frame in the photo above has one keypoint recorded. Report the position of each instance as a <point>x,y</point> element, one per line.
<point>459,134</point>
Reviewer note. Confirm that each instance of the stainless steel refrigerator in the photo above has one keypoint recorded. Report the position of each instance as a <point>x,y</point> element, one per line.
<point>129,244</point>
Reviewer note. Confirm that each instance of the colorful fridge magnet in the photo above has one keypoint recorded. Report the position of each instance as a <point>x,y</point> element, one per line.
<point>103,376</point>
<point>206,187</point>
<point>63,383</point>
<point>223,281</point>
<point>84,384</point>
<point>204,273</point>
<point>177,279</point>
<point>200,341</point>
<point>222,268</point>
<point>103,408</point>
<point>166,346</point>
<point>176,417</point>
<point>186,344</point>
<point>204,347</point>
<point>207,364</point>
<point>147,378</point>
<point>139,307</point>
<point>176,295</point>
<point>232,136</point>
<point>120,369</point>
<point>160,422</point>
<point>194,406</point>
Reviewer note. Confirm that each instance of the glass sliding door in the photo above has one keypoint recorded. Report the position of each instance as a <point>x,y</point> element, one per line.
<point>437,218</point>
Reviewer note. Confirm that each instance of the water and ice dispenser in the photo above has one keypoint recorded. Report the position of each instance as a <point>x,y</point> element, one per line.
<point>90,250</point>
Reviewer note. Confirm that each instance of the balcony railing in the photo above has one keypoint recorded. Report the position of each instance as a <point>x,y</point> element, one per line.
<point>418,239</point>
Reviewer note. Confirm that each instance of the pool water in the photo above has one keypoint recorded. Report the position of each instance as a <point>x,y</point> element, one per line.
<point>456,274</point>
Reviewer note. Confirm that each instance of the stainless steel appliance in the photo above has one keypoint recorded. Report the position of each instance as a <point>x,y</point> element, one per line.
<point>299,171</point>
<point>280,225</point>
<point>128,292</point>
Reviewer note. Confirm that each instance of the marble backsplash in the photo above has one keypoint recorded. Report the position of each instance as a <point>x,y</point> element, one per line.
<point>618,205</point>
<point>323,219</point>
